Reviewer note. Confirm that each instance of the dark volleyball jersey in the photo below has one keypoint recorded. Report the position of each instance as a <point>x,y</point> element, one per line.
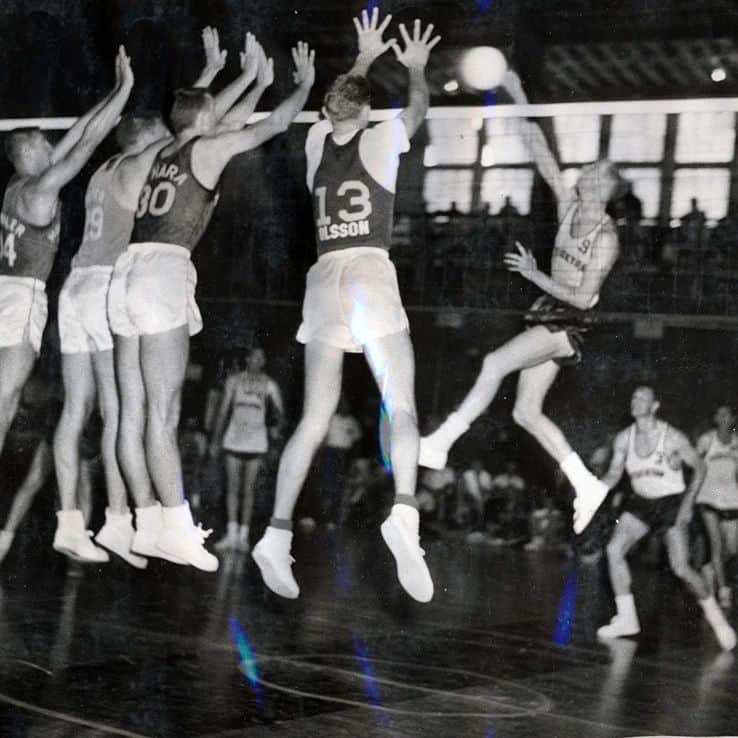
<point>174,207</point>
<point>352,182</point>
<point>26,250</point>
<point>108,225</point>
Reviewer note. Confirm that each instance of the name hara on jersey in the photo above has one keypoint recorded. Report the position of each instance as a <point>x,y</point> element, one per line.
<point>170,172</point>
<point>344,230</point>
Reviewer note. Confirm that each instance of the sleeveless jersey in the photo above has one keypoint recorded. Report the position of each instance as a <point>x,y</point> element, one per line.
<point>26,250</point>
<point>247,429</point>
<point>349,206</point>
<point>653,476</point>
<point>571,255</point>
<point>108,224</point>
<point>720,487</point>
<point>174,207</point>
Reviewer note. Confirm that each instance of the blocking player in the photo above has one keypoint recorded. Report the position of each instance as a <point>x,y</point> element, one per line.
<point>352,301</point>
<point>151,303</point>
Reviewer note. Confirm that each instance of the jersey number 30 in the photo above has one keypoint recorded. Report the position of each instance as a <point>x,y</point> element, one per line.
<point>359,201</point>
<point>156,201</point>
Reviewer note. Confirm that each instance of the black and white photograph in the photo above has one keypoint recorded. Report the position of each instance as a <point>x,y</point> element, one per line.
<point>368,368</point>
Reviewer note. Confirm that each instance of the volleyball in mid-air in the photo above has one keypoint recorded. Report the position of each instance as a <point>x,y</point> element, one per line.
<point>482,67</point>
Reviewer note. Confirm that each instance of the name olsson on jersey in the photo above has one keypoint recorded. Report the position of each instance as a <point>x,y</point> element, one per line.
<point>344,230</point>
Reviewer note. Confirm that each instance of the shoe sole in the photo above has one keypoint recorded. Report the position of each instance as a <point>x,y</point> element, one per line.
<point>395,542</point>
<point>70,554</point>
<point>579,526</point>
<point>123,555</point>
<point>429,459</point>
<point>159,555</point>
<point>619,635</point>
<point>269,572</point>
<point>187,562</point>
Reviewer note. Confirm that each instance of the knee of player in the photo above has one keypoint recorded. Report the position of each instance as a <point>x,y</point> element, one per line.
<point>491,365</point>
<point>680,567</point>
<point>525,416</point>
<point>615,550</point>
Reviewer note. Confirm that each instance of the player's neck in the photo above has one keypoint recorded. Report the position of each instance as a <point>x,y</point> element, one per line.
<point>344,127</point>
<point>646,424</point>
<point>725,435</point>
<point>591,209</point>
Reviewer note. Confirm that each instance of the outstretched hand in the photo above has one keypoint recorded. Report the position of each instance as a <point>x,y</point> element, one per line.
<point>250,55</point>
<point>523,262</point>
<point>215,58</point>
<point>418,48</point>
<point>304,59</point>
<point>265,75</point>
<point>123,71</point>
<point>369,34</point>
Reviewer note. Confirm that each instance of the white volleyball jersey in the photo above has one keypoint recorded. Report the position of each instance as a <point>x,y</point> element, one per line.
<point>720,488</point>
<point>572,254</point>
<point>655,475</point>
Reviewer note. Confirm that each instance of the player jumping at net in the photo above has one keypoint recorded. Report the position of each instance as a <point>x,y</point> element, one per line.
<point>151,303</point>
<point>585,250</point>
<point>653,454</point>
<point>86,340</point>
<point>352,301</point>
<point>30,229</point>
<point>717,501</point>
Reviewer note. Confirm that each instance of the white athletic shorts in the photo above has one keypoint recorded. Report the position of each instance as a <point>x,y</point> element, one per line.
<point>352,297</point>
<point>153,291</point>
<point>83,312</point>
<point>23,311</point>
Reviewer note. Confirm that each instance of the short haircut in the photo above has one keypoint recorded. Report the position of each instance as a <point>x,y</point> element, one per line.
<point>346,97</point>
<point>16,140</point>
<point>650,388</point>
<point>132,124</point>
<point>189,102</point>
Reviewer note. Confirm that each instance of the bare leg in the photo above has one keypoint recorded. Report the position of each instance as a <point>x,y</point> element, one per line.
<point>627,533</point>
<point>526,350</point>
<point>131,454</point>
<point>234,469</point>
<point>714,534</point>
<point>533,386</point>
<point>677,544</point>
<point>323,370</point>
<point>79,400</point>
<point>392,363</point>
<point>163,362</point>
<point>38,473</point>
<point>16,365</point>
<point>104,368</point>
<point>251,472</point>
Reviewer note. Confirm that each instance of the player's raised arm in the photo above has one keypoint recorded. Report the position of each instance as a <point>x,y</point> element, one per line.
<point>41,192</point>
<point>536,141</point>
<point>238,116</point>
<point>211,154</point>
<point>369,34</point>
<point>228,97</point>
<point>415,57</point>
<point>215,58</point>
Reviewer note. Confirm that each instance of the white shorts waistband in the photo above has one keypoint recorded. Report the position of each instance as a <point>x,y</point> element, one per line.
<point>154,246</point>
<point>37,284</point>
<point>95,268</point>
<point>354,251</point>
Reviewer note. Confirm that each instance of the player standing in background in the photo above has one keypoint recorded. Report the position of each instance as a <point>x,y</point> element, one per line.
<point>151,302</point>
<point>86,341</point>
<point>653,453</point>
<point>585,250</point>
<point>30,229</point>
<point>717,500</point>
<point>352,300</point>
<point>242,433</point>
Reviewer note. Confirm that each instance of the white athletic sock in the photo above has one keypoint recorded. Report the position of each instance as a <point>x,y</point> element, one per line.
<point>450,431</point>
<point>408,515</point>
<point>243,531</point>
<point>178,517</point>
<point>71,520</point>
<point>277,538</point>
<point>713,613</point>
<point>576,472</point>
<point>625,605</point>
<point>148,517</point>
<point>232,529</point>
<point>118,518</point>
